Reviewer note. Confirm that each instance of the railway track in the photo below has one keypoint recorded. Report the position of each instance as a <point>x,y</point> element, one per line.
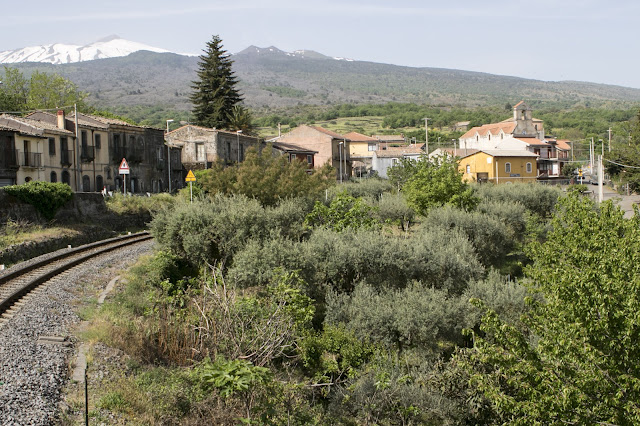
<point>17,282</point>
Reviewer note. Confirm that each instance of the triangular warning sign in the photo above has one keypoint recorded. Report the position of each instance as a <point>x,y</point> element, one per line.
<point>190,177</point>
<point>124,165</point>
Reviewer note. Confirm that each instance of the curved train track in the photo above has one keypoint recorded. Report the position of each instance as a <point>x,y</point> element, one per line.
<point>20,280</point>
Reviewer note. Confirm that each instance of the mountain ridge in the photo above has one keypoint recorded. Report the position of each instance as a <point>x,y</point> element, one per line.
<point>270,78</point>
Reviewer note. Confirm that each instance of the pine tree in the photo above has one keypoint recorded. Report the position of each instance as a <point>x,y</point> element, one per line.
<point>214,93</point>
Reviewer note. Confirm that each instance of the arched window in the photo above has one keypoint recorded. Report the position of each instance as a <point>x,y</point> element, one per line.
<point>477,138</point>
<point>489,136</point>
<point>27,179</point>
<point>86,184</point>
<point>66,178</point>
<point>99,183</point>
<point>529,168</point>
<point>507,167</point>
<point>53,177</point>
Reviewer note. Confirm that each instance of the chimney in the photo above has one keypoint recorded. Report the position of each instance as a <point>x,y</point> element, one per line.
<point>61,119</point>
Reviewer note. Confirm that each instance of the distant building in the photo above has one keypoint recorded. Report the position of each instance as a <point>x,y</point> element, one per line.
<point>461,126</point>
<point>522,132</point>
<point>499,166</point>
<point>361,149</point>
<point>202,146</point>
<point>389,157</point>
<point>331,147</point>
<point>295,153</point>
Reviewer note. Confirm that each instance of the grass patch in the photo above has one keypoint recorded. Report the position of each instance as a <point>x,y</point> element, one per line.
<point>120,204</point>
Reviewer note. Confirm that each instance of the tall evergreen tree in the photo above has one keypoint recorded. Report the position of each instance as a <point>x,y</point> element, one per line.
<point>215,93</point>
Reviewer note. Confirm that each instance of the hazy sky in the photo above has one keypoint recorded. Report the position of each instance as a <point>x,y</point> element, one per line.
<point>585,40</point>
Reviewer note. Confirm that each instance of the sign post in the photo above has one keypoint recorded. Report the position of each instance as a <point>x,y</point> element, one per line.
<point>190,178</point>
<point>124,171</point>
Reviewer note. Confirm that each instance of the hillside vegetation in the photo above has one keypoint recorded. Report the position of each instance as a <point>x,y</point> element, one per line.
<point>274,80</point>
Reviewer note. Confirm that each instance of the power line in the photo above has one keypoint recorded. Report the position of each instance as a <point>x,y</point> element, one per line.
<point>621,165</point>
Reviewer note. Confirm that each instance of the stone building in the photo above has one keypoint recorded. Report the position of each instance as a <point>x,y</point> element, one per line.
<point>201,146</point>
<point>44,147</point>
<point>35,150</point>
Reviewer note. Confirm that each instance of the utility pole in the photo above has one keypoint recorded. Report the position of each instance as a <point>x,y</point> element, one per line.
<point>609,138</point>
<point>600,178</point>
<point>426,134</point>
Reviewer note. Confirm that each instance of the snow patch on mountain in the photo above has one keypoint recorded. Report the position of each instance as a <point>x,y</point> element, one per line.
<point>109,47</point>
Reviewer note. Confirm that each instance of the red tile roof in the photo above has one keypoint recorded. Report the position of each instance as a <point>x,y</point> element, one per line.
<point>359,137</point>
<point>563,144</point>
<point>494,128</point>
<point>329,132</point>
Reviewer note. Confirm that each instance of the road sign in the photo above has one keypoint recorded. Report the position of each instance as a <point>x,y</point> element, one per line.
<point>190,177</point>
<point>124,167</point>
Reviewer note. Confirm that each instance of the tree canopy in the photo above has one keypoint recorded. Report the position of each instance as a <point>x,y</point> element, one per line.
<point>40,91</point>
<point>215,94</point>
<point>266,178</point>
<point>435,182</point>
<point>573,358</point>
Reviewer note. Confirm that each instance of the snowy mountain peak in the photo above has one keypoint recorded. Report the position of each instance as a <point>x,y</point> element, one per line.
<point>108,47</point>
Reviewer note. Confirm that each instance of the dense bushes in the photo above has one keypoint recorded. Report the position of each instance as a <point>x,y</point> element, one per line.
<point>539,199</point>
<point>355,321</point>
<point>45,197</point>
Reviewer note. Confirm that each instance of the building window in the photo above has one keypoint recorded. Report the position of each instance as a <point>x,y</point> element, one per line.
<point>199,152</point>
<point>53,177</point>
<point>507,167</point>
<point>99,183</point>
<point>372,147</point>
<point>394,161</point>
<point>294,156</point>
<point>98,141</point>
<point>66,178</point>
<point>489,136</point>
<point>477,138</point>
<point>529,168</point>
<point>84,138</point>
<point>468,168</point>
<point>501,135</point>
<point>52,146</point>
<point>309,159</point>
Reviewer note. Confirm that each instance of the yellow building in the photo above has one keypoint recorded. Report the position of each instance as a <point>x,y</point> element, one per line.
<point>499,166</point>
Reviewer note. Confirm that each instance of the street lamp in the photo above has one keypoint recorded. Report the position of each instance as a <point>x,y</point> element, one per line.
<point>238,141</point>
<point>168,156</point>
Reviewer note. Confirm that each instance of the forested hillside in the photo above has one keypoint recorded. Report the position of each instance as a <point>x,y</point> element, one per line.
<point>274,79</point>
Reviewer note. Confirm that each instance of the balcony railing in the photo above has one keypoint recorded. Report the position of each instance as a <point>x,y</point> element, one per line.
<point>66,157</point>
<point>87,154</point>
<point>31,159</point>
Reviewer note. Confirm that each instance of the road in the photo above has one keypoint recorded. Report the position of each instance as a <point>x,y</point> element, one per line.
<point>625,202</point>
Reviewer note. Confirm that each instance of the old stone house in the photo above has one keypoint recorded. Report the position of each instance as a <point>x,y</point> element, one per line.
<point>34,150</point>
<point>202,146</point>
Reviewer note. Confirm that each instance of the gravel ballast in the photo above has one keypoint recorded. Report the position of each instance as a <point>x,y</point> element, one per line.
<point>32,371</point>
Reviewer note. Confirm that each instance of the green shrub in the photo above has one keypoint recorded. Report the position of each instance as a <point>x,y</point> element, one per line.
<point>393,208</point>
<point>416,317</point>
<point>344,212</point>
<point>537,198</point>
<point>512,214</point>
<point>490,237</point>
<point>45,197</point>
<point>372,187</point>
<point>120,204</point>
